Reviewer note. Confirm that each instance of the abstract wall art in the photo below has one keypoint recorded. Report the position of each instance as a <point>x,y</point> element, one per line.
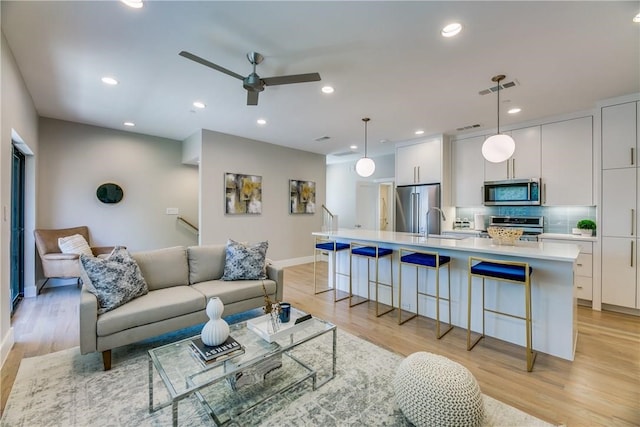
<point>302,197</point>
<point>243,194</point>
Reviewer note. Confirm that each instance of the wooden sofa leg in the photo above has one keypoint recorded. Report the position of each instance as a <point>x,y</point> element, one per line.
<point>106,359</point>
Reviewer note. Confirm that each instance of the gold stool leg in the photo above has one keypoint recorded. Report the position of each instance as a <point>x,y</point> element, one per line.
<point>449,325</point>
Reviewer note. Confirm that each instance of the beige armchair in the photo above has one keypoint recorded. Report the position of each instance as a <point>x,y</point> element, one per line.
<point>55,264</point>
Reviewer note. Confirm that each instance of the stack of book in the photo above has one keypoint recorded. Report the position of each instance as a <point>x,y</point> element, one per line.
<point>212,354</point>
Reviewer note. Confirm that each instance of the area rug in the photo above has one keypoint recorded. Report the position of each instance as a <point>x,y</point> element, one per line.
<point>68,389</point>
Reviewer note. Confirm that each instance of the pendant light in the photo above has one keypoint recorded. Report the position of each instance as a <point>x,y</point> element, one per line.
<point>499,147</point>
<point>365,167</point>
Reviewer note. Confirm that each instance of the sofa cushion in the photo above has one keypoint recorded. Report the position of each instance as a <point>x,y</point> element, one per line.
<point>153,307</point>
<point>75,244</point>
<point>163,268</point>
<point>206,262</point>
<point>114,280</point>
<point>244,262</point>
<point>230,292</point>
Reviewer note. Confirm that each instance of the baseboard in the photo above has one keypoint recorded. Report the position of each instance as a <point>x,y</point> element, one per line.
<point>6,346</point>
<point>293,261</point>
<point>623,310</point>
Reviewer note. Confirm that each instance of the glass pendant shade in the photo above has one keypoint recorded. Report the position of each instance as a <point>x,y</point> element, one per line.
<point>365,167</point>
<point>498,148</point>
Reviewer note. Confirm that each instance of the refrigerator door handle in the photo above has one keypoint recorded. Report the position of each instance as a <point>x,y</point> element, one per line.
<point>417,213</point>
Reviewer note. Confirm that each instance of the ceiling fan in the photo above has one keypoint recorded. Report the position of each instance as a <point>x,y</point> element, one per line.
<point>253,83</point>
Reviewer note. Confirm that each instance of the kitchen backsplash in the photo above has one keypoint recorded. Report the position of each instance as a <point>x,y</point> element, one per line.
<point>557,219</point>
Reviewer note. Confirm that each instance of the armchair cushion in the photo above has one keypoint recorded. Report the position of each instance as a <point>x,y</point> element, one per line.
<point>114,280</point>
<point>75,244</point>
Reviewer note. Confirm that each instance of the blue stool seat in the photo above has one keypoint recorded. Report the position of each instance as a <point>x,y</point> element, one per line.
<point>501,271</point>
<point>424,259</point>
<point>329,246</point>
<point>371,251</point>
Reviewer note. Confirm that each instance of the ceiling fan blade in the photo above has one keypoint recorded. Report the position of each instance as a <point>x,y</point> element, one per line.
<point>252,98</point>
<point>209,64</point>
<point>295,78</point>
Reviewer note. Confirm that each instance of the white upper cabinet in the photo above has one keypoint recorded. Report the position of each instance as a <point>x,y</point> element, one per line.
<point>619,136</point>
<point>525,162</point>
<point>567,162</point>
<point>419,163</point>
<point>468,173</point>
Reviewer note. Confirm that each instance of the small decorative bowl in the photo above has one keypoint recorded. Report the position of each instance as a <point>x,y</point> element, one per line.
<point>504,236</point>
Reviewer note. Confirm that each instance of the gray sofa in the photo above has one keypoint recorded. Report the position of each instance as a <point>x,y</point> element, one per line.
<point>181,280</point>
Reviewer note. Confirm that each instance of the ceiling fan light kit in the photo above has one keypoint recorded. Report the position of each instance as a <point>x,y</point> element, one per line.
<point>365,167</point>
<point>252,83</point>
<point>499,147</point>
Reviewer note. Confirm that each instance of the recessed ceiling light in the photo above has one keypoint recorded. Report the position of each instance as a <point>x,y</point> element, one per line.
<point>136,4</point>
<point>451,30</point>
<point>130,124</point>
<point>514,110</point>
<point>353,147</point>
<point>261,121</point>
<point>636,18</point>
<point>109,81</point>
<point>327,89</point>
<point>419,132</point>
<point>199,104</point>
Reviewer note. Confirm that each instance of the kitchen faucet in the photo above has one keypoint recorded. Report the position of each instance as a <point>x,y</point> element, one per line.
<point>444,218</point>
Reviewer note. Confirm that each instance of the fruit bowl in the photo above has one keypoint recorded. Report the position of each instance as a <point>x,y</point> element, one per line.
<point>504,236</point>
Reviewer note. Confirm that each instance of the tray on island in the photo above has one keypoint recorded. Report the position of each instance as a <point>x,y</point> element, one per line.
<point>260,325</point>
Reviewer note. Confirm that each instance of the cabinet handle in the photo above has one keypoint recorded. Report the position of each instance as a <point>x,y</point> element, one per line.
<point>418,167</point>
<point>632,253</point>
<point>633,217</point>
<point>544,194</point>
<point>482,194</point>
<point>507,162</point>
<point>513,168</point>
<point>579,265</point>
<point>633,157</point>
<point>579,287</point>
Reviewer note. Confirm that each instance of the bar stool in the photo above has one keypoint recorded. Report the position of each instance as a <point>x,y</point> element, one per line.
<point>507,271</point>
<point>370,252</point>
<point>324,244</point>
<point>430,261</point>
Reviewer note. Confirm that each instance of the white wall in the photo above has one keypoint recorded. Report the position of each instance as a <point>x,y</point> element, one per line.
<point>289,235</point>
<point>341,186</point>
<point>77,158</point>
<point>18,115</point>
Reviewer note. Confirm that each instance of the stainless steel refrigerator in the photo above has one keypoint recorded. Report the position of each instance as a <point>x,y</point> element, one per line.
<point>412,204</point>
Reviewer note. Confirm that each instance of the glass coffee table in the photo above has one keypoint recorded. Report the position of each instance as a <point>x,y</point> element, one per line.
<point>231,387</point>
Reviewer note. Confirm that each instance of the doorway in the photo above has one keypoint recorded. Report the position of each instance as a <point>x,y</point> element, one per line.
<point>17,227</point>
<point>375,205</point>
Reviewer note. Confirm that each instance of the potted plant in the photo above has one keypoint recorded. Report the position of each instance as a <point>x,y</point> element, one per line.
<point>586,227</point>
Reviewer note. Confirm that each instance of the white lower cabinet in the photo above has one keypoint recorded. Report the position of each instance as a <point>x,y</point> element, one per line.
<point>619,271</point>
<point>583,278</point>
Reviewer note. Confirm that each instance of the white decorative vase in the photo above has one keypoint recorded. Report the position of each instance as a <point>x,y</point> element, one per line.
<point>216,330</point>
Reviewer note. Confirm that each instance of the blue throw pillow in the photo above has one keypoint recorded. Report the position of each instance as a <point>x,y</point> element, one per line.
<point>243,262</point>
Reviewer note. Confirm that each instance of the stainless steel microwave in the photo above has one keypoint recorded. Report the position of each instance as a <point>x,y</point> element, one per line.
<point>512,192</point>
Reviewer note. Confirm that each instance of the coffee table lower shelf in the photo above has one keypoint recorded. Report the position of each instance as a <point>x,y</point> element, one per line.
<point>212,385</point>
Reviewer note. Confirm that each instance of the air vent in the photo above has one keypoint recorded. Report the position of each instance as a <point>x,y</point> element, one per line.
<point>322,139</point>
<point>469,127</point>
<point>503,86</point>
<point>344,153</point>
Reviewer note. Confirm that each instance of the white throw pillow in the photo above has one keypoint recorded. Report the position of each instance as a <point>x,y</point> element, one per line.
<point>75,244</point>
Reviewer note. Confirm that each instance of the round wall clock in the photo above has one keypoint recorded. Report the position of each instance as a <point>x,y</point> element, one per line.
<point>109,193</point>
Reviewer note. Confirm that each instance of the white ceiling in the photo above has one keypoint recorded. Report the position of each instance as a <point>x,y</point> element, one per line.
<point>386,60</point>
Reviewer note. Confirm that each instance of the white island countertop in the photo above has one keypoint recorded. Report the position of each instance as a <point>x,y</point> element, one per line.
<point>524,249</point>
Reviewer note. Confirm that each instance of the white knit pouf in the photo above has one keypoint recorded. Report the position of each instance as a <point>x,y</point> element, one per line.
<point>432,390</point>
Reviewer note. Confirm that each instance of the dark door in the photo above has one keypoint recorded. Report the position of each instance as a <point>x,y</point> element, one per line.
<point>17,228</point>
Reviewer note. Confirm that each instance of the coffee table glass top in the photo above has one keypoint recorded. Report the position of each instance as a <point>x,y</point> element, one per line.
<point>182,372</point>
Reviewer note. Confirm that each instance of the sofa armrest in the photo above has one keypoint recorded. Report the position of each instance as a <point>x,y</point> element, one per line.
<point>276,274</point>
<point>88,321</point>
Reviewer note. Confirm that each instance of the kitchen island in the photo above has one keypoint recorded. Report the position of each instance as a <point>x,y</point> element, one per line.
<point>554,302</point>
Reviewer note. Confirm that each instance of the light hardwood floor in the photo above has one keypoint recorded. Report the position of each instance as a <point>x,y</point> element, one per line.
<point>601,387</point>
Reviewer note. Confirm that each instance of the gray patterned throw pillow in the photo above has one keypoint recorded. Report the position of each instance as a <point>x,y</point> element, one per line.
<point>114,280</point>
<point>245,262</point>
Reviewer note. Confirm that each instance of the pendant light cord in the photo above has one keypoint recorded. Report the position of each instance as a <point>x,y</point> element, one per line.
<point>366,121</point>
<point>498,79</point>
